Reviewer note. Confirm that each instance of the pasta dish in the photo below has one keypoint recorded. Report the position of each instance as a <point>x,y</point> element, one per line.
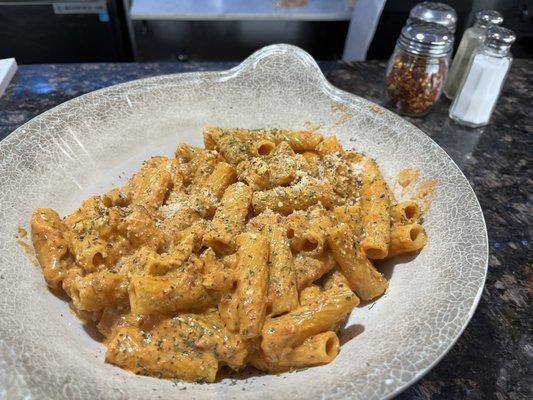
<point>250,251</point>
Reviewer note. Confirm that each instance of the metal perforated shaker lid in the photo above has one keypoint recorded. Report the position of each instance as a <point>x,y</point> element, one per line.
<point>438,13</point>
<point>426,38</point>
<point>500,38</point>
<point>489,17</point>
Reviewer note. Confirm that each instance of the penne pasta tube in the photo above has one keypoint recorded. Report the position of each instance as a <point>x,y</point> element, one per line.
<point>282,334</point>
<point>150,186</point>
<point>311,165</point>
<point>263,173</point>
<point>167,294</point>
<point>229,218</point>
<point>309,269</point>
<point>315,350</point>
<point>314,237</point>
<point>407,212</point>
<point>299,141</point>
<point>178,215</point>
<point>90,254</point>
<point>98,290</point>
<point>282,285</point>
<point>284,149</point>
<point>295,225</point>
<point>216,277</point>
<point>195,163</point>
<point>51,245</point>
<point>351,216</point>
<point>339,172</point>
<point>229,312</point>
<point>185,153</point>
<point>262,147</point>
<point>211,134</point>
<point>364,279</point>
<point>306,230</point>
<point>146,261</point>
<point>176,257</point>
<point>91,226</point>
<point>255,172</point>
<point>128,349</point>
<point>407,239</point>
<point>311,157</point>
<point>216,183</point>
<point>197,229</point>
<point>336,280</point>
<point>329,145</point>
<point>282,169</point>
<point>375,212</point>
<point>140,230</point>
<point>233,149</point>
<point>299,197</point>
<point>252,282</point>
<point>309,294</point>
<point>312,242</point>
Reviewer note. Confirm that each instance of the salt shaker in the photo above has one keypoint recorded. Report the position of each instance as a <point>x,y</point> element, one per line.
<point>480,88</point>
<point>438,13</point>
<point>472,39</point>
<point>417,68</point>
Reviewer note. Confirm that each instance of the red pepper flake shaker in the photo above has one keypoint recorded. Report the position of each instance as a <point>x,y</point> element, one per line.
<point>418,67</point>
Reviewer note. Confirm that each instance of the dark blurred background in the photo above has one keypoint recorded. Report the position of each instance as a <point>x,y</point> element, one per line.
<point>210,30</point>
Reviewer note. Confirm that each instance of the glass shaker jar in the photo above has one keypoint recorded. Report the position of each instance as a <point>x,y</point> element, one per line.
<point>472,39</point>
<point>418,67</point>
<point>481,86</point>
<point>438,13</point>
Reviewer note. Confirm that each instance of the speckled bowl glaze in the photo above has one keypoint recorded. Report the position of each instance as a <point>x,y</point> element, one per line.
<point>91,143</point>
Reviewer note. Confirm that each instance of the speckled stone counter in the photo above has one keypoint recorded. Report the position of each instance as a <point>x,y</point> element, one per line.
<point>493,357</point>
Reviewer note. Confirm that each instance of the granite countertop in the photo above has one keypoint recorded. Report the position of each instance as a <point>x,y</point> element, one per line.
<point>493,357</point>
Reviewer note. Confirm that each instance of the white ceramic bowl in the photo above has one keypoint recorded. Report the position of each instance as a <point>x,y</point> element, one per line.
<point>82,146</point>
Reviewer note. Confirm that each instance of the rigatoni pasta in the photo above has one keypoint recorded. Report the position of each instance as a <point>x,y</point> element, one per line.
<point>282,334</point>
<point>250,251</point>
<point>286,199</point>
<point>315,350</point>
<point>168,294</point>
<point>252,282</point>
<point>406,239</point>
<point>98,290</point>
<point>364,279</point>
<point>407,212</point>
<point>282,284</point>
<point>229,218</point>
<point>375,212</point>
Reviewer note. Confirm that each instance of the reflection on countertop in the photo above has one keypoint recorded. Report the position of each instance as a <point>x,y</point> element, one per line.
<point>492,357</point>
<point>458,140</point>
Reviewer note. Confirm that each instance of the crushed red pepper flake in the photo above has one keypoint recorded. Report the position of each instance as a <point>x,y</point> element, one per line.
<point>414,83</point>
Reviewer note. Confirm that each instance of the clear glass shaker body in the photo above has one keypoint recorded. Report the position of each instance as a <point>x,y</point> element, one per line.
<point>472,39</point>
<point>480,87</point>
<point>415,81</point>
